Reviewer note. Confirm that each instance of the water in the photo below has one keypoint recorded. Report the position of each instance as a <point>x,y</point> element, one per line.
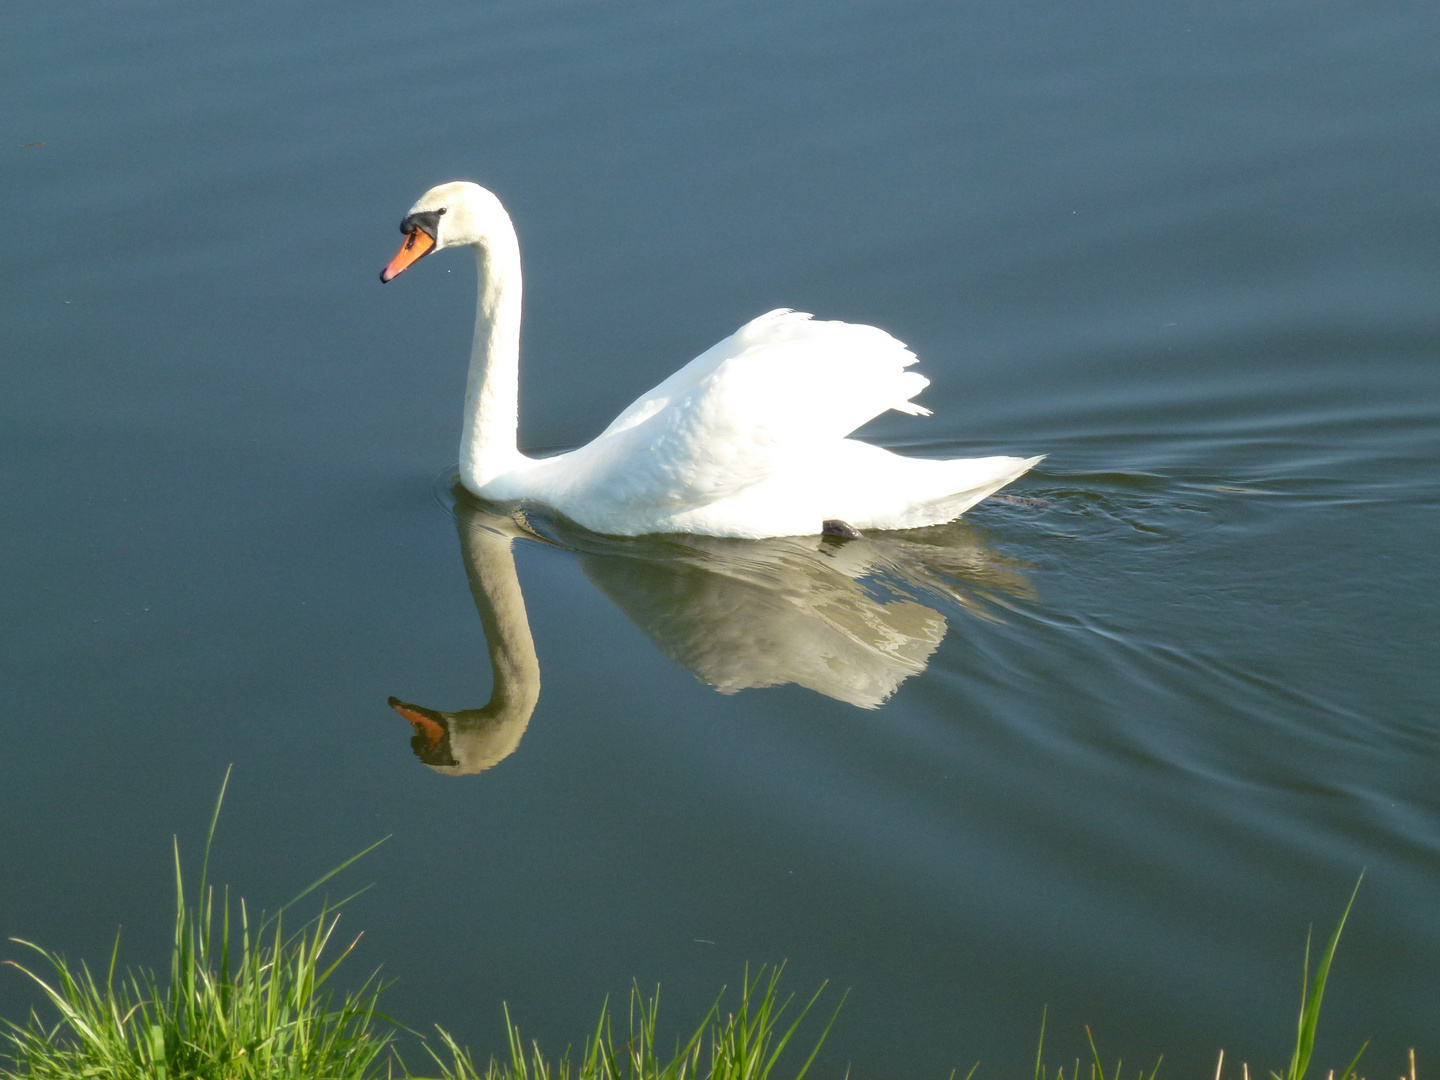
<point>1151,714</point>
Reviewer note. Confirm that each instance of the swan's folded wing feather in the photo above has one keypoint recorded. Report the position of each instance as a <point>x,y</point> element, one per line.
<point>778,386</point>
<point>683,380</point>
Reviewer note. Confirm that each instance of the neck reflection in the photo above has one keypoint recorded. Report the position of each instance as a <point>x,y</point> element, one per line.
<point>844,618</point>
<point>472,740</point>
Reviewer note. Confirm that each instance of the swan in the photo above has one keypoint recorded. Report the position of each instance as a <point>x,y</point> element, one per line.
<point>749,439</point>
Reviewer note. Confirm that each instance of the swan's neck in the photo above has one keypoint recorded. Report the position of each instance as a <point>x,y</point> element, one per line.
<point>492,392</point>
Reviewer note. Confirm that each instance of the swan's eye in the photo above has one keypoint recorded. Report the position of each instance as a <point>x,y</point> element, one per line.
<point>426,221</point>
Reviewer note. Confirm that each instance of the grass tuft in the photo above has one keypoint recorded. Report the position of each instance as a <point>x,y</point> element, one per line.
<point>743,1045</point>
<point>242,1003</point>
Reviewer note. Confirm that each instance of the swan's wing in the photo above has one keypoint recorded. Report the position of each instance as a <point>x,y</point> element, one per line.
<point>778,386</point>
<point>832,350</point>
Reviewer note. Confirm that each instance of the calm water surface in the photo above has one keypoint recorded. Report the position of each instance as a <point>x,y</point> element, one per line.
<point>1108,744</point>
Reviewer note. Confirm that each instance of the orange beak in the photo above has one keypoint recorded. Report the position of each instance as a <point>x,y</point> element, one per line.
<point>425,727</point>
<point>416,244</point>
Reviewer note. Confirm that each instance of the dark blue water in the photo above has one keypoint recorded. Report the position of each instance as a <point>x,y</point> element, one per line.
<point>1149,715</point>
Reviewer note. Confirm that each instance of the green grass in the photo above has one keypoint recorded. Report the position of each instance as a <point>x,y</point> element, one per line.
<point>1310,1004</point>
<point>1312,992</point>
<point>745,1044</point>
<point>242,1002</point>
<point>250,1002</point>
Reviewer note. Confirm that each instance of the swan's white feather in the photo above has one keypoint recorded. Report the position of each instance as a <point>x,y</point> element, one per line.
<point>790,346</point>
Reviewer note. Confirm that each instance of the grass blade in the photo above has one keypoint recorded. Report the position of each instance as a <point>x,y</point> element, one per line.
<point>1040,1050</point>
<point>1310,1003</point>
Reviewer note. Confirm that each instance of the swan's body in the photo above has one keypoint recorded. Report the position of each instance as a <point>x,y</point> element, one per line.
<point>748,439</point>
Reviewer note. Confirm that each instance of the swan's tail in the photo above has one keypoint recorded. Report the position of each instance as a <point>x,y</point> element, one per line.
<point>910,493</point>
<point>951,506</point>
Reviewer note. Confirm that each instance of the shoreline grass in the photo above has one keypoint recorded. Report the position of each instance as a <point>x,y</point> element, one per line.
<point>242,1002</point>
<point>745,1044</point>
<point>251,1002</point>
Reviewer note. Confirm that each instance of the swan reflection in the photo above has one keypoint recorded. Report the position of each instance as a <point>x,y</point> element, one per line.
<point>844,618</point>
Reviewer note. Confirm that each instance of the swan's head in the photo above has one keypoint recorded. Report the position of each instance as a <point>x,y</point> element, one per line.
<point>448,215</point>
<point>469,741</point>
<point>432,734</point>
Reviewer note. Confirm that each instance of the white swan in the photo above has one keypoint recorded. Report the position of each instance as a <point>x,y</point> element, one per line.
<point>748,439</point>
